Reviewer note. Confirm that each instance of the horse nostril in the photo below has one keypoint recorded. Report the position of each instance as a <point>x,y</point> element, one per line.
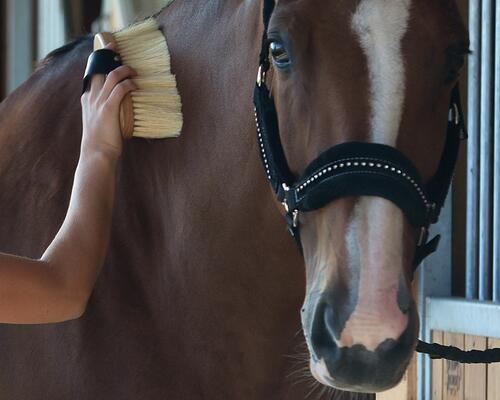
<point>322,336</point>
<point>331,323</point>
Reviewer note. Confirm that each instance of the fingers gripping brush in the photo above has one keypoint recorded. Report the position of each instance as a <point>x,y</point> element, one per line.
<point>153,110</point>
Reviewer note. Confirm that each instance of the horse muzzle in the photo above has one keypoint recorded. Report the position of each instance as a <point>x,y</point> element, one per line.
<point>343,360</point>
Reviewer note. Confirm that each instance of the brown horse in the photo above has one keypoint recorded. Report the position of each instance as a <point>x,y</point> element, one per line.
<point>202,288</point>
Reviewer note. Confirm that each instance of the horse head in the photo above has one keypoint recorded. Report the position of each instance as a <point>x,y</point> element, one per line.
<point>364,71</point>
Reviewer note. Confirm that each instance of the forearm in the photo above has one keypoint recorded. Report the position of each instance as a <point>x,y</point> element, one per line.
<point>56,287</point>
<point>77,253</point>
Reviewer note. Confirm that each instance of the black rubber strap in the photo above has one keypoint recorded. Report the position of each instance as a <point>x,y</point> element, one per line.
<point>440,183</point>
<point>101,61</point>
<point>425,250</point>
<point>438,351</point>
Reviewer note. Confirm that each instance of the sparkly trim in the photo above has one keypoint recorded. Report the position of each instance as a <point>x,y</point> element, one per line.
<point>368,163</point>
<point>261,145</point>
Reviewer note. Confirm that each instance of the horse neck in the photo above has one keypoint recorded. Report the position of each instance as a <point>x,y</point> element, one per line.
<point>213,169</point>
<point>214,51</point>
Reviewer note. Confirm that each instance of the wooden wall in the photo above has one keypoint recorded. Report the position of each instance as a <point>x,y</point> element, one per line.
<point>407,389</point>
<point>453,381</point>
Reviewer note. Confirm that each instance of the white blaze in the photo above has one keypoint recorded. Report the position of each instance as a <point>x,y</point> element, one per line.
<point>374,240</point>
<point>381,26</point>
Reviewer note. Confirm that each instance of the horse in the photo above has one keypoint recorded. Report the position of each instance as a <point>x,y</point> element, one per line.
<point>202,292</point>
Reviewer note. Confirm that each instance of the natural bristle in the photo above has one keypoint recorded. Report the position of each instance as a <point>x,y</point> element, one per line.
<point>157,104</point>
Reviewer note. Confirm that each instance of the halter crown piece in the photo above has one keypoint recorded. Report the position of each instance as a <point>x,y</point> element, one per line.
<point>361,169</point>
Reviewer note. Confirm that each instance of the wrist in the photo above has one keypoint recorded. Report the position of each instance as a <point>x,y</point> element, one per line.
<point>105,151</point>
<point>95,153</point>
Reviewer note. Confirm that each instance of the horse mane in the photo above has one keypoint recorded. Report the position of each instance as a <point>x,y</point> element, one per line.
<point>169,3</point>
<point>54,54</point>
<point>83,39</point>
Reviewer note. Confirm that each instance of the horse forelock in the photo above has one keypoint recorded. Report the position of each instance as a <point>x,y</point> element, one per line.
<point>168,4</point>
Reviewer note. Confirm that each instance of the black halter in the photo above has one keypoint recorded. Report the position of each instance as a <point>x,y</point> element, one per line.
<point>360,169</point>
<point>354,168</point>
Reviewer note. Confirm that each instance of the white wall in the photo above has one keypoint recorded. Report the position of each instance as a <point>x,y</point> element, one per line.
<point>51,31</point>
<point>19,42</point>
<point>50,34</point>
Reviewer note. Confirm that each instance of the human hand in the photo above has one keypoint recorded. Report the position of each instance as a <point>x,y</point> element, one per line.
<point>101,110</point>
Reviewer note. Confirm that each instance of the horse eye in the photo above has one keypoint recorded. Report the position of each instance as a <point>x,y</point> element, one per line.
<point>279,54</point>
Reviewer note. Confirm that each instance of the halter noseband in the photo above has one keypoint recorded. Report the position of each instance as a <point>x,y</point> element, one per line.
<point>354,168</point>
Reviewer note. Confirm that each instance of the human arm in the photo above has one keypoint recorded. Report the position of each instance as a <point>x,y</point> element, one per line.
<point>57,286</point>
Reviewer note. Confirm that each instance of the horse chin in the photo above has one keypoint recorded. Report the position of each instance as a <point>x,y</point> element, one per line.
<point>357,348</point>
<point>320,372</point>
<point>356,368</point>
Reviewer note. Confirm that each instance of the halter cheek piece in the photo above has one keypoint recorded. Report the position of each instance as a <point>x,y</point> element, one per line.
<point>354,168</point>
<point>361,169</point>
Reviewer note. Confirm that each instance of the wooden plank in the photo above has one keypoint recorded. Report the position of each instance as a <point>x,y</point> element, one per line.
<point>412,378</point>
<point>437,370</point>
<point>493,373</point>
<point>397,393</point>
<point>453,371</point>
<point>407,388</point>
<point>475,374</point>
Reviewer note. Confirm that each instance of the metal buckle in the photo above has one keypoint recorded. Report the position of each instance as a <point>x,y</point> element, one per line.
<point>431,214</point>
<point>286,188</point>
<point>424,234</point>
<point>295,218</point>
<point>424,231</point>
<point>261,76</point>
<point>294,213</point>
<point>454,115</point>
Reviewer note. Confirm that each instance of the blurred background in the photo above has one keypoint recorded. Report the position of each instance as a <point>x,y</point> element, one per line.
<point>29,29</point>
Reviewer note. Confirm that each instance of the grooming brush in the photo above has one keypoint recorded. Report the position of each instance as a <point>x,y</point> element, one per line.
<point>153,110</point>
